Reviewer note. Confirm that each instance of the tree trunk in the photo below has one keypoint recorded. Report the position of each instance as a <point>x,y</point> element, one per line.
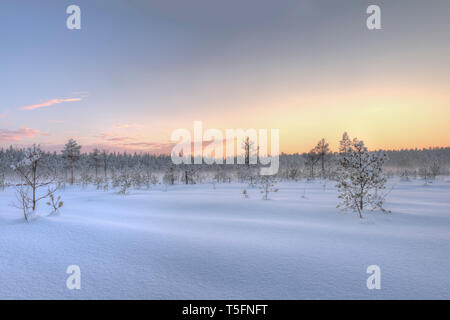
<point>34,186</point>
<point>323,166</point>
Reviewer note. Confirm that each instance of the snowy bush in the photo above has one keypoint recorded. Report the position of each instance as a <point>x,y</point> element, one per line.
<point>85,178</point>
<point>125,181</point>
<point>169,176</point>
<point>24,201</point>
<point>55,203</point>
<point>266,184</point>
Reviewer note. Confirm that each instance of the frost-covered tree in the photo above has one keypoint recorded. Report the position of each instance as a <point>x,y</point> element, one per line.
<point>189,173</point>
<point>169,176</point>
<point>71,154</point>
<point>3,168</point>
<point>96,159</point>
<point>322,150</point>
<point>125,181</point>
<point>311,159</point>
<point>249,148</point>
<point>360,176</point>
<point>35,175</point>
<point>104,159</point>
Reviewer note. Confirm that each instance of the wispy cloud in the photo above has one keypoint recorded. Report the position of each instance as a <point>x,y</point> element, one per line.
<point>48,103</point>
<point>19,134</point>
<point>111,138</point>
<point>127,125</point>
<point>127,143</point>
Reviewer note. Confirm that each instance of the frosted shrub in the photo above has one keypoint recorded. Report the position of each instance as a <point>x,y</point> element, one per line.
<point>2,181</point>
<point>55,203</point>
<point>266,184</point>
<point>24,201</point>
<point>125,182</point>
<point>169,176</point>
<point>85,178</point>
<point>404,176</point>
<point>98,181</point>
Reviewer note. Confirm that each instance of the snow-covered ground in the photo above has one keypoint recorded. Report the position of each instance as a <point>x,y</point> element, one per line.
<point>196,242</point>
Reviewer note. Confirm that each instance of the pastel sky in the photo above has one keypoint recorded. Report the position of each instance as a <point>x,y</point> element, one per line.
<point>138,70</point>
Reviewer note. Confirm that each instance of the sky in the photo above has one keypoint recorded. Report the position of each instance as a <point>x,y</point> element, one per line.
<point>138,70</point>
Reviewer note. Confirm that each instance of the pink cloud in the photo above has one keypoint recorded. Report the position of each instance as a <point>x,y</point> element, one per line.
<point>2,115</point>
<point>18,135</point>
<point>48,103</point>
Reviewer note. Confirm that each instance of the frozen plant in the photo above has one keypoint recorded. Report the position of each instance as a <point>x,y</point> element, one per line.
<point>266,184</point>
<point>71,155</point>
<point>85,178</point>
<point>55,203</point>
<point>23,201</point>
<point>98,182</point>
<point>35,175</point>
<point>311,159</point>
<point>169,176</point>
<point>404,176</point>
<point>322,151</point>
<point>303,196</point>
<point>125,181</point>
<point>360,176</point>
<point>245,193</point>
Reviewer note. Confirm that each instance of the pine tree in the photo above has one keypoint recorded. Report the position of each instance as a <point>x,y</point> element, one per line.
<point>360,176</point>
<point>71,154</point>
<point>96,159</point>
<point>322,150</point>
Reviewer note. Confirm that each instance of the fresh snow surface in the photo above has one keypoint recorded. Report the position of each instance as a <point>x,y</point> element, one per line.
<point>197,242</point>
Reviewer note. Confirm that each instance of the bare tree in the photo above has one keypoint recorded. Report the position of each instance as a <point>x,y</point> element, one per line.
<point>248,147</point>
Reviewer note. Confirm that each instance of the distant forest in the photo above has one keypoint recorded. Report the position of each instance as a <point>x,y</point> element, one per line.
<point>99,167</point>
